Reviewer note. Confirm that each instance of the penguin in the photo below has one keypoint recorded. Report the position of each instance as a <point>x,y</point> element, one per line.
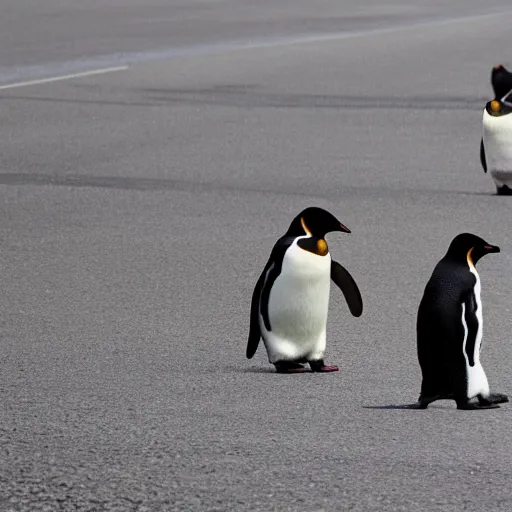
<point>496,141</point>
<point>449,330</point>
<point>290,301</point>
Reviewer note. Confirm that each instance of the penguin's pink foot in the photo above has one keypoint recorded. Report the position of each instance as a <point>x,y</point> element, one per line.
<point>321,367</point>
<point>330,368</point>
<point>287,367</point>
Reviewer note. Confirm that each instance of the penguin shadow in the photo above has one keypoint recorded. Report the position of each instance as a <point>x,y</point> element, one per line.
<point>486,194</point>
<point>254,369</point>
<point>471,193</point>
<point>390,406</point>
<point>442,405</point>
<point>501,195</point>
<point>409,407</point>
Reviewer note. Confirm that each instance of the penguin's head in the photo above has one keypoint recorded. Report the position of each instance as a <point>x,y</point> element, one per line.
<point>471,248</point>
<point>501,81</point>
<point>316,222</point>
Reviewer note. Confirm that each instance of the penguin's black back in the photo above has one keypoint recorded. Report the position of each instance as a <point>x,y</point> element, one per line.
<point>440,331</point>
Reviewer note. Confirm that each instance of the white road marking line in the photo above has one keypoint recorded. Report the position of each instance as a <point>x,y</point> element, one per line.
<point>64,77</point>
<point>223,47</point>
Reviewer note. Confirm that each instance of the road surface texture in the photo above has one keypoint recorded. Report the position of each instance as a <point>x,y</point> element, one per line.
<point>138,207</point>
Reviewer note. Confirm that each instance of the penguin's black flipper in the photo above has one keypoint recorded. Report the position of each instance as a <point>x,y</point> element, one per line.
<point>254,328</point>
<point>482,155</point>
<point>261,293</point>
<point>348,286</point>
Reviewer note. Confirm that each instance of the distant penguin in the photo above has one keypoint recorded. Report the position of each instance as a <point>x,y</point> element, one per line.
<point>291,298</point>
<point>496,142</point>
<point>449,330</point>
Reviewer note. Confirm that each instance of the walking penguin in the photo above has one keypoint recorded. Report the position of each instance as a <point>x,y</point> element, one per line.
<point>449,330</point>
<point>496,143</point>
<point>291,298</point>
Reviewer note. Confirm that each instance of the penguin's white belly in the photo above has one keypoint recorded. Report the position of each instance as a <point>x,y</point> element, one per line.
<point>476,379</point>
<point>298,307</point>
<point>497,137</point>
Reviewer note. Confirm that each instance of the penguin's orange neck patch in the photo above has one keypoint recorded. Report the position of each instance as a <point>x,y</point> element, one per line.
<point>321,247</point>
<point>495,106</point>
<point>470,259</point>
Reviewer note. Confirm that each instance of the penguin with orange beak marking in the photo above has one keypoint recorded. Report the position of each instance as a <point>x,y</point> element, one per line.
<point>291,297</point>
<point>450,329</point>
<point>496,143</point>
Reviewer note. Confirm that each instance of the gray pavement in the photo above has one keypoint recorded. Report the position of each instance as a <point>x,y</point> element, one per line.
<point>138,208</point>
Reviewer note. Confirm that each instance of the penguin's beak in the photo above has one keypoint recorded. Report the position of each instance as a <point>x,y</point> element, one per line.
<point>344,228</point>
<point>491,248</point>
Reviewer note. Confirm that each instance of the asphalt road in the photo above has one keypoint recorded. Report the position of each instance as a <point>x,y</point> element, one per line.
<point>139,206</point>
